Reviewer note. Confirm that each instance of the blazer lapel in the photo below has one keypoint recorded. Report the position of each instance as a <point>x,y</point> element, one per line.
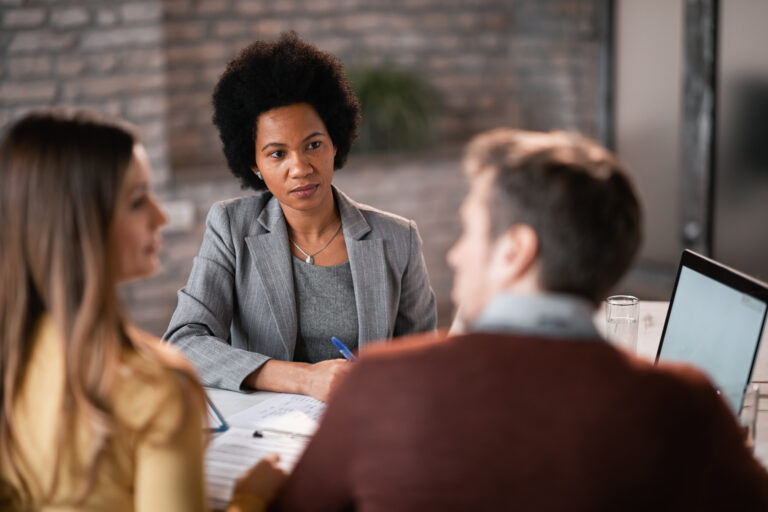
<point>369,275</point>
<point>272,261</point>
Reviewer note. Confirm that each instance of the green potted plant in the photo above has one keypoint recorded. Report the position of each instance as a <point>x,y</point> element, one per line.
<point>398,108</point>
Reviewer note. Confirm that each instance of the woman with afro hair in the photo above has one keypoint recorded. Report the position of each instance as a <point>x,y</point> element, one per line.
<point>280,272</point>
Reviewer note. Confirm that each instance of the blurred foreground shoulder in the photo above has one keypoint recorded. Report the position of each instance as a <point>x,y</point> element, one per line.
<point>158,388</point>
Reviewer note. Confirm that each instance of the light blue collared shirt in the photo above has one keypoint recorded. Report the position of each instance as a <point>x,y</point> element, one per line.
<point>550,315</point>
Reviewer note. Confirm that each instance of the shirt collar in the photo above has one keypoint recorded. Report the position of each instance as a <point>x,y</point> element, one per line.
<point>553,315</point>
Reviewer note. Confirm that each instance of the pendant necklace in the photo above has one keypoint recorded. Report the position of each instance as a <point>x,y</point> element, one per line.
<point>310,258</point>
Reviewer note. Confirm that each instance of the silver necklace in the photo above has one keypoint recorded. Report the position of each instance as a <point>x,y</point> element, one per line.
<point>310,258</point>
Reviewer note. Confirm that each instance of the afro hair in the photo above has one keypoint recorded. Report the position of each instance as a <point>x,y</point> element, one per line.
<point>265,76</point>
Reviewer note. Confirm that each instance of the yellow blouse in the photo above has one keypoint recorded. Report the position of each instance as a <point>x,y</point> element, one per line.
<point>156,463</point>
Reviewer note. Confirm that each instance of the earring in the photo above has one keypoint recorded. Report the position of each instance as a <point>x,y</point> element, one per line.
<point>258,174</point>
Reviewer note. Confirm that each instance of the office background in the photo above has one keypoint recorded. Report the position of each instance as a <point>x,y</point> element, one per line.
<point>611,69</point>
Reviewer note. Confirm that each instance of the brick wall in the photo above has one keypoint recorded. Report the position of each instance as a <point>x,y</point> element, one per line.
<point>103,55</point>
<point>554,54</point>
<point>495,62</point>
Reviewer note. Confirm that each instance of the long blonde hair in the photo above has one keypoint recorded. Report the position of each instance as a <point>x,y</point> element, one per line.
<point>60,175</point>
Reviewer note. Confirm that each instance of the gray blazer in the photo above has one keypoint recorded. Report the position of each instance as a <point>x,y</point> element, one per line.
<point>238,308</point>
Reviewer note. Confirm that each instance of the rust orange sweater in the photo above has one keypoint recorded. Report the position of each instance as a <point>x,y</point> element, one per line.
<point>498,422</point>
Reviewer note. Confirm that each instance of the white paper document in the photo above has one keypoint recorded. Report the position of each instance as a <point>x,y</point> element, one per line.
<point>298,414</point>
<point>231,453</point>
<point>285,423</point>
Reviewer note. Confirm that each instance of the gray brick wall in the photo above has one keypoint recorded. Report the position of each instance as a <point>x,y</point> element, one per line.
<point>529,63</point>
<point>107,56</point>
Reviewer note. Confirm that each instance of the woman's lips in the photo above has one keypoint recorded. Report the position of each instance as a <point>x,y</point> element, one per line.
<point>305,191</point>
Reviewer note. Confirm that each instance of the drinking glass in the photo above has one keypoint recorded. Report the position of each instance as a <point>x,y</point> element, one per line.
<point>621,316</point>
<point>748,414</point>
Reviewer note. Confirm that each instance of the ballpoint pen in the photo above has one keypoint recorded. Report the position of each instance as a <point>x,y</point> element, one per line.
<point>343,349</point>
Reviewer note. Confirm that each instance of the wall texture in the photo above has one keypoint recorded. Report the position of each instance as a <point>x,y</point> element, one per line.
<point>529,63</point>
<point>103,55</point>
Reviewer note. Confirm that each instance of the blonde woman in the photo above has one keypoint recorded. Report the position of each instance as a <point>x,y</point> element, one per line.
<point>95,414</point>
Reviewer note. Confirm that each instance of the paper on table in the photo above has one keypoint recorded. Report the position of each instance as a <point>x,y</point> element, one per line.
<point>231,453</point>
<point>298,414</point>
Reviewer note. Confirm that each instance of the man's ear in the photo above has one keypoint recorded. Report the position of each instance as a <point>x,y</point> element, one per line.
<point>516,253</point>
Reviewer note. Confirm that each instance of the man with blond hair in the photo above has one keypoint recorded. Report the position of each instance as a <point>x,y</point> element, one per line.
<point>529,409</point>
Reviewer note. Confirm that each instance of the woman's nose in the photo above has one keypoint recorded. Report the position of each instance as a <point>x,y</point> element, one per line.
<point>160,217</point>
<point>299,165</point>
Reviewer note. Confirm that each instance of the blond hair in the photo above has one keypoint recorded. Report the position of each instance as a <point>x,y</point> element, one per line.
<point>60,175</point>
<point>574,193</point>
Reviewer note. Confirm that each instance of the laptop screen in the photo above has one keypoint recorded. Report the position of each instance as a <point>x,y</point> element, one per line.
<point>715,321</point>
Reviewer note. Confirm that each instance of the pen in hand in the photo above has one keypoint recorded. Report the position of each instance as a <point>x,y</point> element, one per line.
<point>349,356</point>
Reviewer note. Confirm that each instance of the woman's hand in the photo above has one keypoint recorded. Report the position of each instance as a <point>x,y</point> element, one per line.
<point>324,377</point>
<point>316,380</point>
<point>263,480</point>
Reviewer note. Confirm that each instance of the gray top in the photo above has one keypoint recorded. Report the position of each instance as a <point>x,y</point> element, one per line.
<point>552,315</point>
<point>325,306</point>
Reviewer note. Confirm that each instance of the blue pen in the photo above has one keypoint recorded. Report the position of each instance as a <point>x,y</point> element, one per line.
<point>343,349</point>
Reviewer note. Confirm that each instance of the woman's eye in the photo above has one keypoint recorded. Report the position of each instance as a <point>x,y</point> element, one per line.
<point>138,202</point>
<point>277,154</point>
<point>314,144</point>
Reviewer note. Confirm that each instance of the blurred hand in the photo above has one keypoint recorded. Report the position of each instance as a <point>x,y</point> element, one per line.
<point>325,376</point>
<point>263,480</point>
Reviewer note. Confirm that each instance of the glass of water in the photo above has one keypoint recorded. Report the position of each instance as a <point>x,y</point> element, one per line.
<point>748,414</point>
<point>621,315</point>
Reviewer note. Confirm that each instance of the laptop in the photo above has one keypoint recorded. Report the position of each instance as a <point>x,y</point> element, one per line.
<point>715,321</point>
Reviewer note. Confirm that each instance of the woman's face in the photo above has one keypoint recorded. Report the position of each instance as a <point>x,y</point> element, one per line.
<point>294,154</point>
<point>134,237</point>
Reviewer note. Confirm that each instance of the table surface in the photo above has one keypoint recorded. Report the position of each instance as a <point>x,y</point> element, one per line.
<point>231,402</point>
<point>652,315</point>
